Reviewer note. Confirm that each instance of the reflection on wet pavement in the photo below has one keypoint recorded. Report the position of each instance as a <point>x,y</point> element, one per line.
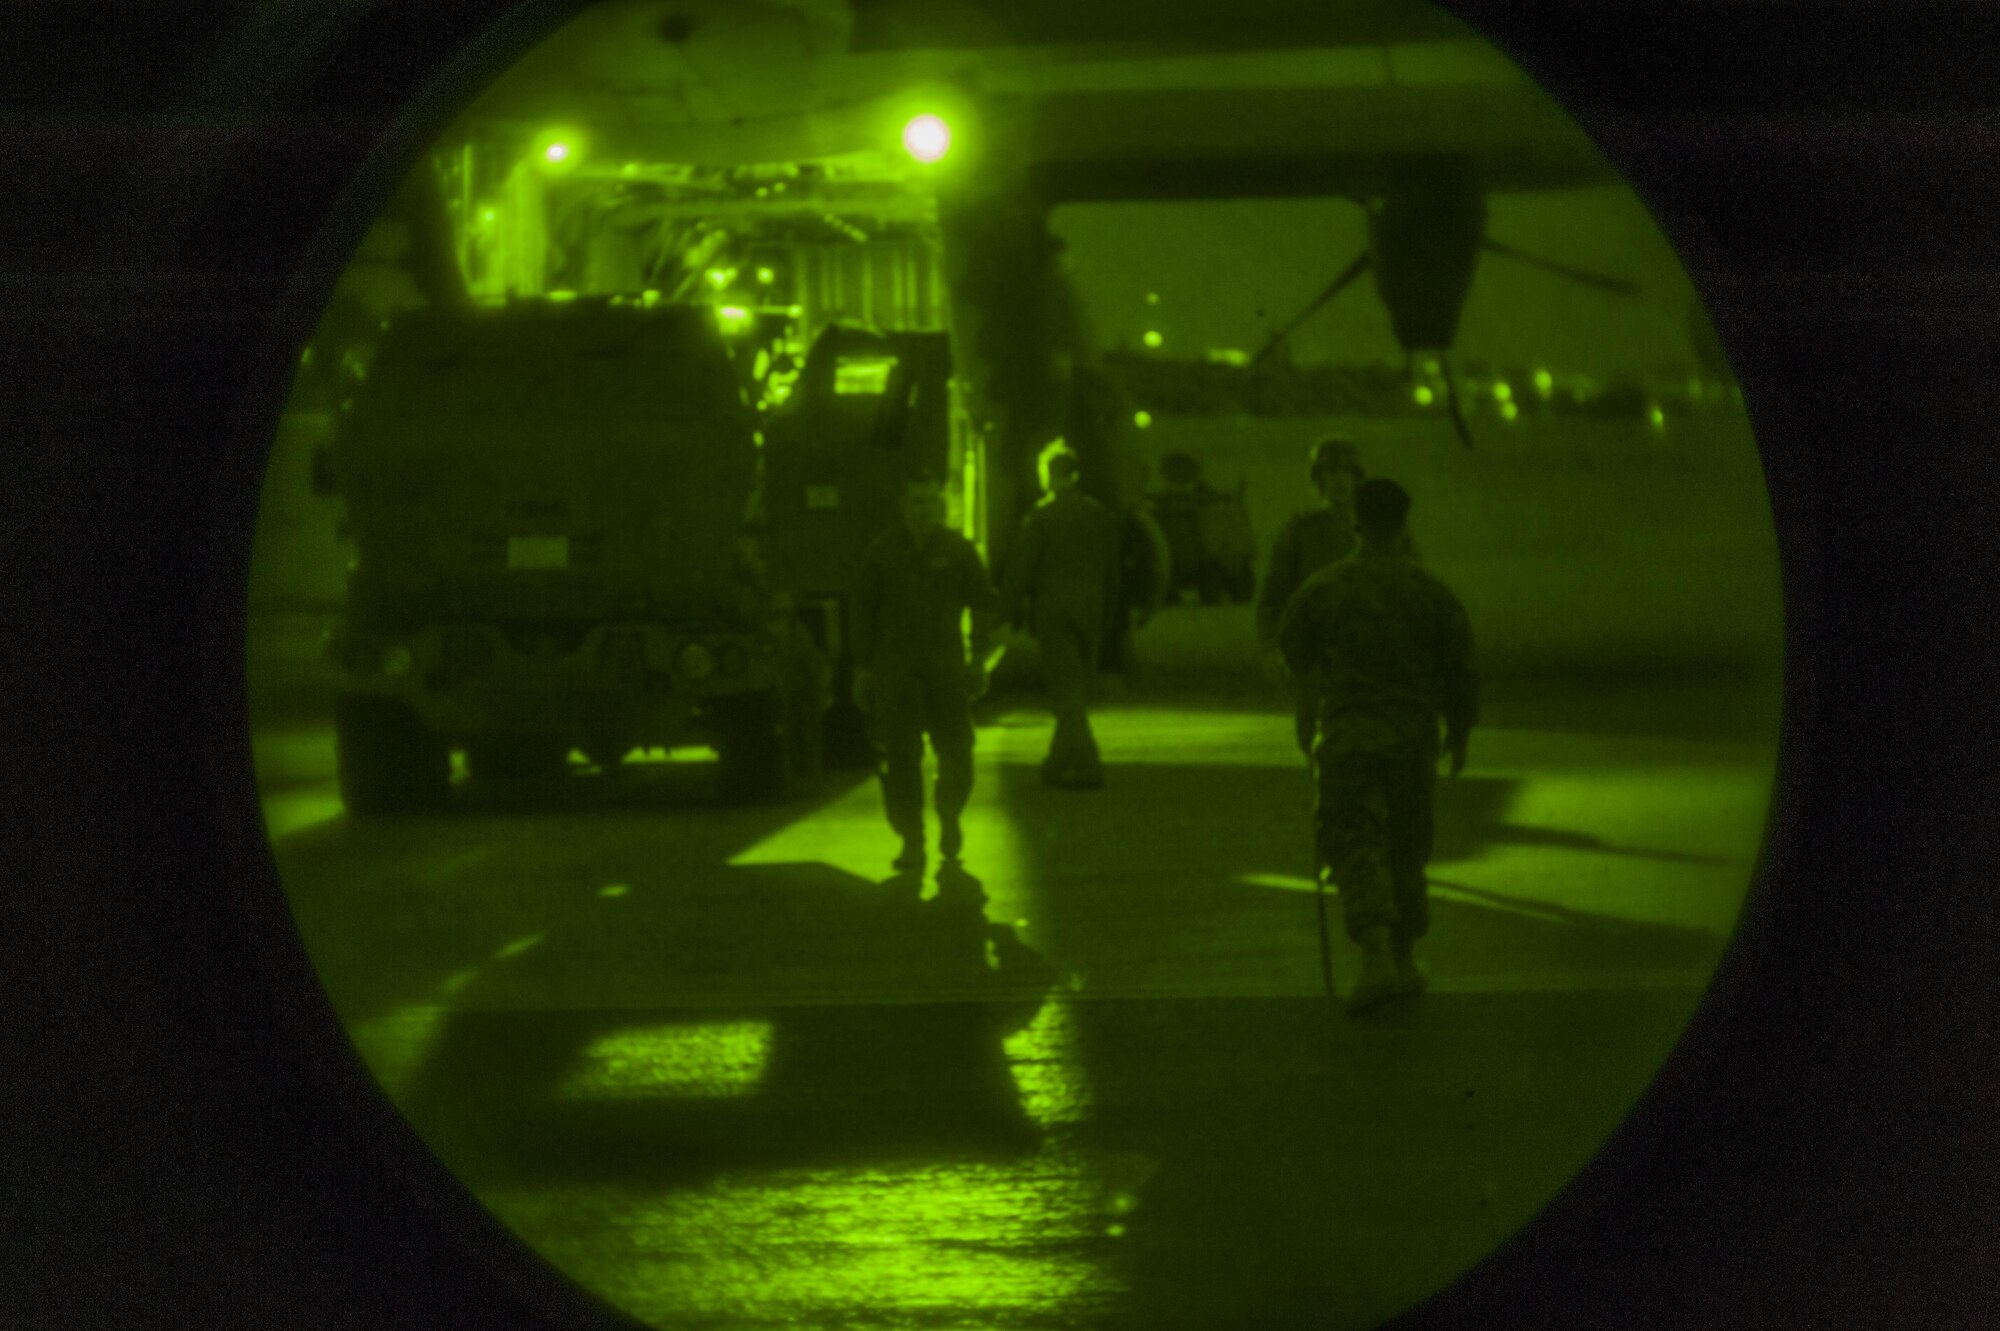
<point>719,1067</point>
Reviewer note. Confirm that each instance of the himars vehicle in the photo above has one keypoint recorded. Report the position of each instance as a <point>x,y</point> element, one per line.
<point>548,505</point>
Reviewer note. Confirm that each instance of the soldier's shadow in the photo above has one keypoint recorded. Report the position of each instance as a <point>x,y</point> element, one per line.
<point>805,1018</point>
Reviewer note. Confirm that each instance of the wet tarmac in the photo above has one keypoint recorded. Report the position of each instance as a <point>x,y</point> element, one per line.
<point>724,1067</point>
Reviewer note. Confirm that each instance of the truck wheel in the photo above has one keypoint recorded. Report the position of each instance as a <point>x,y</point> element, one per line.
<point>606,753</point>
<point>845,742</point>
<point>385,759</point>
<point>515,757</point>
<point>805,740</point>
<point>752,762</point>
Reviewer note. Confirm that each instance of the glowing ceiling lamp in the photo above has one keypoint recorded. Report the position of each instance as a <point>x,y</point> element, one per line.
<point>558,150</point>
<point>926,137</point>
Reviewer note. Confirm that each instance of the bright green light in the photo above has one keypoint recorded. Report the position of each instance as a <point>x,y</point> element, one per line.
<point>1142,419</point>
<point>1423,395</point>
<point>767,276</point>
<point>1508,411</point>
<point>735,318</point>
<point>1659,419</point>
<point>710,1061</point>
<point>1153,339</point>
<point>927,138</point>
<point>489,215</point>
<point>1545,383</point>
<point>721,277</point>
<point>1503,391</point>
<point>1152,298</point>
<point>557,152</point>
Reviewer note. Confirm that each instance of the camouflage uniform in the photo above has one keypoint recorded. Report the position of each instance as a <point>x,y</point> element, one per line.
<point>1390,649</point>
<point>1309,542</point>
<point>908,606</point>
<point>1066,570</point>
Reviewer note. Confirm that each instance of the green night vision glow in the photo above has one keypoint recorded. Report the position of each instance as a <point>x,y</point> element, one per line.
<point>556,153</point>
<point>1423,395</point>
<point>927,138</point>
<point>1545,383</point>
<point>1153,339</point>
<point>1142,419</point>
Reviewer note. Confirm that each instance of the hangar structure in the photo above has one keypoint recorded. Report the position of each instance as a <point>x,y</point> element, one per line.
<point>752,154</point>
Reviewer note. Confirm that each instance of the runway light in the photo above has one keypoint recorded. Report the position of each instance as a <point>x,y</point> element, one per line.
<point>1423,395</point>
<point>927,138</point>
<point>1508,411</point>
<point>1658,418</point>
<point>1503,391</point>
<point>1545,383</point>
<point>1153,339</point>
<point>1142,419</point>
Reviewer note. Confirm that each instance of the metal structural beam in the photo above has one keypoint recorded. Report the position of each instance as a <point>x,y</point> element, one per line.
<point>963,24</point>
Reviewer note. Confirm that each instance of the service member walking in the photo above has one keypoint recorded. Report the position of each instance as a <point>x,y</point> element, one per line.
<point>1063,577</point>
<point>911,673</point>
<point>1389,649</point>
<point>1310,541</point>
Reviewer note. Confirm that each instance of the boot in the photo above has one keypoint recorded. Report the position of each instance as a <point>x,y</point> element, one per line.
<point>912,856</point>
<point>1410,977</point>
<point>951,841</point>
<point>1377,983</point>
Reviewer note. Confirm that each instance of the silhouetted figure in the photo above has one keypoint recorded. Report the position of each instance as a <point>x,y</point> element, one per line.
<point>1207,533</point>
<point>1389,649</point>
<point>1308,542</point>
<point>911,672</point>
<point>1063,576</point>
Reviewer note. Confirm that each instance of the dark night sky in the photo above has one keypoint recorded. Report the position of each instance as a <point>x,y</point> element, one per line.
<point>1227,272</point>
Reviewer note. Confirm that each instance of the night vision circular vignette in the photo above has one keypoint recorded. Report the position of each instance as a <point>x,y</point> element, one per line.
<point>581,556</point>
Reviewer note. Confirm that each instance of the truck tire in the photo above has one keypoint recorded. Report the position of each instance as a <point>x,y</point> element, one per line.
<point>753,760</point>
<point>516,757</point>
<point>384,758</point>
<point>846,742</point>
<point>805,739</point>
<point>606,753</point>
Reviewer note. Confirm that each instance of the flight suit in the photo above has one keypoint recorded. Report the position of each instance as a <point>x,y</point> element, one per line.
<point>1065,571</point>
<point>1390,651</point>
<point>1316,539</point>
<point>909,604</point>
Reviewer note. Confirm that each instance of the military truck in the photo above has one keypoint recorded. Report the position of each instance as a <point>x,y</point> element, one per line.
<point>547,502</point>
